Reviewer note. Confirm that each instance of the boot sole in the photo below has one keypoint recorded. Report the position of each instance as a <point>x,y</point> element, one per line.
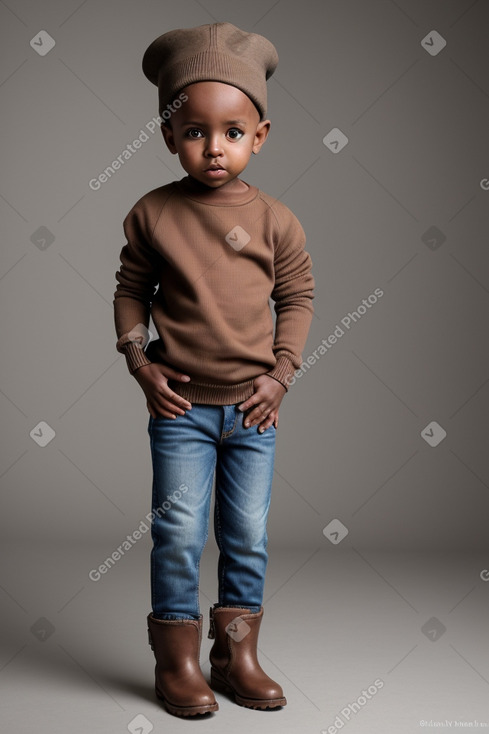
<point>184,711</point>
<point>218,683</point>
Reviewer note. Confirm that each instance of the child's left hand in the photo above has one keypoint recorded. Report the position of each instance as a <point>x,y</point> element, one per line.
<point>265,402</point>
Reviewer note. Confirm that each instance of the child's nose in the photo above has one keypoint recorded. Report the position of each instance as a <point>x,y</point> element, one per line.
<point>213,146</point>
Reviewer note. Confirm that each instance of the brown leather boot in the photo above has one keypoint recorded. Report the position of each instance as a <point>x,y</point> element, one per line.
<point>179,682</point>
<point>235,667</point>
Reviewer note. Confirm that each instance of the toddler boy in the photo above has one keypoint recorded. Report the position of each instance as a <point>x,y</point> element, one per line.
<point>203,257</point>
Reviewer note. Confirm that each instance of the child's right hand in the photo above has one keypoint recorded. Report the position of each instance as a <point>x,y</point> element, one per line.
<point>160,399</point>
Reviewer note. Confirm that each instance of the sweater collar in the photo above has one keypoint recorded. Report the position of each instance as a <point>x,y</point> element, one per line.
<point>193,189</point>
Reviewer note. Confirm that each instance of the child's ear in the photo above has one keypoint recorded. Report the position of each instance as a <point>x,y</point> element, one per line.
<point>261,134</point>
<point>169,138</point>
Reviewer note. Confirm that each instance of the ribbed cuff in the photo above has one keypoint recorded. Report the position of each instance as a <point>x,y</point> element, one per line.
<point>283,371</point>
<point>135,356</point>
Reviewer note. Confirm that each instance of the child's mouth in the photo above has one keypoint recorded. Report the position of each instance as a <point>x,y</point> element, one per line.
<point>215,172</point>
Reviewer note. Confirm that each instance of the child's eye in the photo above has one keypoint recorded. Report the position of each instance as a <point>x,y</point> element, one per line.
<point>235,134</point>
<point>193,133</point>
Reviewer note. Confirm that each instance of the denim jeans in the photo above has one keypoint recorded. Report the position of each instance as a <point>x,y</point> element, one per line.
<point>186,452</point>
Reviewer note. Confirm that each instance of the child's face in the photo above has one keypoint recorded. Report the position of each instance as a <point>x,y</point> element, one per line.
<point>215,132</point>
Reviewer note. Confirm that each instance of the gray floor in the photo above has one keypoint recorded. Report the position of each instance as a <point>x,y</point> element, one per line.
<point>409,630</point>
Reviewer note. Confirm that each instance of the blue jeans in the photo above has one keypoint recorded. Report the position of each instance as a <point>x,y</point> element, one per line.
<point>186,452</point>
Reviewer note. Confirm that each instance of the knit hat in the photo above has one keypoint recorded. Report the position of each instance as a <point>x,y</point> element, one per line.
<point>218,52</point>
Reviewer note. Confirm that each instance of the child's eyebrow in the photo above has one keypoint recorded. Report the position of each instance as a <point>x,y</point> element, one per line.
<point>203,124</point>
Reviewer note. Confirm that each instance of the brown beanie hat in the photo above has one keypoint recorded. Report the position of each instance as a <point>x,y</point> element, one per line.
<point>218,52</point>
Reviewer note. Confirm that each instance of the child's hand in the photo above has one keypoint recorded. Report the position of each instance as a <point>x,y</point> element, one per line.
<point>161,400</point>
<point>265,402</point>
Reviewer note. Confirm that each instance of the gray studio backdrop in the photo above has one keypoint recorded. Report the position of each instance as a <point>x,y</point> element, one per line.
<point>380,112</point>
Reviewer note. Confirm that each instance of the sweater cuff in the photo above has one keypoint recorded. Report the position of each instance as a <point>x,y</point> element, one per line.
<point>135,356</point>
<point>283,372</point>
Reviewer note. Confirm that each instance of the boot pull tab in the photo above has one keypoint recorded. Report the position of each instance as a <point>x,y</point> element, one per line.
<point>212,630</point>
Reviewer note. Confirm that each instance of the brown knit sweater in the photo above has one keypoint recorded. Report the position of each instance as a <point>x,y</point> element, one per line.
<point>204,264</point>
